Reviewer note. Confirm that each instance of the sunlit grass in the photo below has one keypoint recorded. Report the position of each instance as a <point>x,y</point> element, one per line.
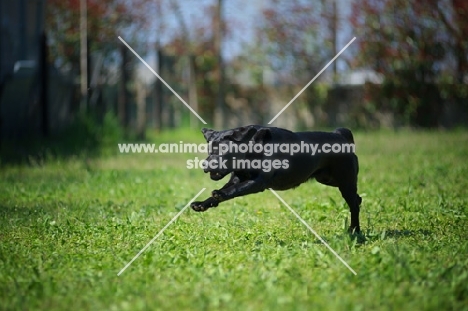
<point>69,226</point>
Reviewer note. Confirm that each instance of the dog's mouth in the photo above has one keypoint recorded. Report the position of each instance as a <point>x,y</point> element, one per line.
<point>216,175</point>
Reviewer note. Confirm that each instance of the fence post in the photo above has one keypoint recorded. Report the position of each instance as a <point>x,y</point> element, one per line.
<point>158,93</point>
<point>123,100</point>
<point>44,86</point>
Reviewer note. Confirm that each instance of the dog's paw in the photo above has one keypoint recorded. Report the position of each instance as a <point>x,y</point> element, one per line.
<point>203,206</point>
<point>198,206</point>
<point>217,195</point>
<point>354,230</point>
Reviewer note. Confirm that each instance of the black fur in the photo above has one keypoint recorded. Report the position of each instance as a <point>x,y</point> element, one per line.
<point>332,169</point>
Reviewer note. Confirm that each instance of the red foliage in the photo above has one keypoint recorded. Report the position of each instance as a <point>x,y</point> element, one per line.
<point>106,20</point>
<point>289,36</point>
<point>418,46</point>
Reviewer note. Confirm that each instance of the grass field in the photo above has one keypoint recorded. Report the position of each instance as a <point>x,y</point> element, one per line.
<point>69,226</point>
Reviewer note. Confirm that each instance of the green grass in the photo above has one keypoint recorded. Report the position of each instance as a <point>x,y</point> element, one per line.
<point>69,226</point>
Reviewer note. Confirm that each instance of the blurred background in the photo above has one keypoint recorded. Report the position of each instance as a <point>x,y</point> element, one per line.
<point>65,73</point>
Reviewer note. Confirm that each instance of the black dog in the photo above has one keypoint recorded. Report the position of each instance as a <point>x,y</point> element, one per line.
<point>253,171</point>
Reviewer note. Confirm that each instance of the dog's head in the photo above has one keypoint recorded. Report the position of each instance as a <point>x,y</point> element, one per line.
<point>240,135</point>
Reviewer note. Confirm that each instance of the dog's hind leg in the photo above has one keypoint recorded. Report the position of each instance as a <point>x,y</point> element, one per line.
<point>349,193</point>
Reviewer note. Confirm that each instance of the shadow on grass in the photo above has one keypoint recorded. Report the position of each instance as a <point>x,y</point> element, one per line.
<point>13,217</point>
<point>87,137</point>
<point>366,236</point>
<point>371,236</point>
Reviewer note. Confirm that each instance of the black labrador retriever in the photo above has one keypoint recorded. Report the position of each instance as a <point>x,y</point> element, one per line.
<point>260,157</point>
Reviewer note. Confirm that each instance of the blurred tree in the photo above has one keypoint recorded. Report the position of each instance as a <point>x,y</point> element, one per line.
<point>198,40</point>
<point>293,41</point>
<point>74,37</point>
<point>415,46</point>
<point>218,34</point>
<point>106,20</point>
<point>192,82</point>
<point>202,76</point>
<point>457,28</point>
<point>330,15</point>
<point>290,40</point>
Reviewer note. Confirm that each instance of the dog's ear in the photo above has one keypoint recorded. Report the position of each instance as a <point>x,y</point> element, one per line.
<point>241,134</point>
<point>261,135</point>
<point>208,133</point>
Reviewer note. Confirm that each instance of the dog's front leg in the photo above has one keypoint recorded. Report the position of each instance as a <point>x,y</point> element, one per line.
<point>235,179</point>
<point>240,189</point>
<point>232,191</point>
<point>201,206</point>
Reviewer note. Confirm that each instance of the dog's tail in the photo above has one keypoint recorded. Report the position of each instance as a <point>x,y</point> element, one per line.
<point>346,133</point>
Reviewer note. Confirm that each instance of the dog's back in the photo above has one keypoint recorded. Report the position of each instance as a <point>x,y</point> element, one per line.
<point>346,133</point>
<point>323,159</point>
